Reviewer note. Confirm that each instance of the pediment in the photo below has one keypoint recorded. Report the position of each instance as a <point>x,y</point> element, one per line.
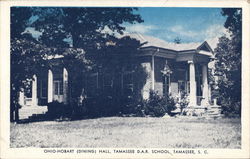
<point>205,47</point>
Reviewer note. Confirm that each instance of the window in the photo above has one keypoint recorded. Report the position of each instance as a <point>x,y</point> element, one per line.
<point>58,88</point>
<point>181,87</point>
<point>166,82</point>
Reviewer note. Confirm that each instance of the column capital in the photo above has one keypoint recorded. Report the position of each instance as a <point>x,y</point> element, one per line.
<point>190,62</point>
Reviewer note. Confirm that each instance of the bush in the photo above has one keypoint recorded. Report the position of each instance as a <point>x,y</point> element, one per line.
<point>105,105</point>
<point>183,102</point>
<point>230,109</point>
<point>58,110</point>
<point>159,105</point>
<point>155,106</point>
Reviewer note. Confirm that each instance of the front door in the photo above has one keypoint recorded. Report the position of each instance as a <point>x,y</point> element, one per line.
<point>58,91</point>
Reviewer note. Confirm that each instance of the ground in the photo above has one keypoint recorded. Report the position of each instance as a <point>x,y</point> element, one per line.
<point>171,132</point>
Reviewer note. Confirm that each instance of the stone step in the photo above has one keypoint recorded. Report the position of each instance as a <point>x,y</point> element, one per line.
<point>214,111</point>
<point>27,111</point>
<point>37,116</point>
<point>214,106</point>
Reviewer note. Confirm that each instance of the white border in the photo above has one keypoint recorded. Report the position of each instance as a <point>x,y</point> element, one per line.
<point>6,152</point>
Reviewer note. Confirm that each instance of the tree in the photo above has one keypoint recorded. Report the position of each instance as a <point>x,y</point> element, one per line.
<point>18,25</point>
<point>82,27</point>
<point>228,62</point>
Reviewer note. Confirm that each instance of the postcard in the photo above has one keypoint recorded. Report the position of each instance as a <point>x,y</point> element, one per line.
<point>124,79</point>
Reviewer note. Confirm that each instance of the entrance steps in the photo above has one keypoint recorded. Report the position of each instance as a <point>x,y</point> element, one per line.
<point>211,111</point>
<point>214,111</point>
<point>26,112</point>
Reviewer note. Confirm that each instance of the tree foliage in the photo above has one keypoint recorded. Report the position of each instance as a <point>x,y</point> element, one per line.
<point>21,55</point>
<point>228,62</point>
<point>60,27</point>
<point>84,26</point>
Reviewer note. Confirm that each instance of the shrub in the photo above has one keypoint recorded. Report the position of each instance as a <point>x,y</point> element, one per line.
<point>231,109</point>
<point>183,102</point>
<point>106,105</point>
<point>155,106</point>
<point>58,110</point>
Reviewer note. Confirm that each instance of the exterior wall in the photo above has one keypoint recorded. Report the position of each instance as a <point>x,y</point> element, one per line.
<point>116,84</point>
<point>174,88</point>
<point>128,81</point>
<point>159,66</point>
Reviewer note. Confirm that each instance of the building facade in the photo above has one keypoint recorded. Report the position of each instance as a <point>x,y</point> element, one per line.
<point>176,69</point>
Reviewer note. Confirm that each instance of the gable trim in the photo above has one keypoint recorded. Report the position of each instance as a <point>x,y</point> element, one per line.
<point>207,45</point>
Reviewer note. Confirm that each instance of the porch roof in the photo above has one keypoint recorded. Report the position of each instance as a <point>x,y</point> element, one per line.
<point>149,41</point>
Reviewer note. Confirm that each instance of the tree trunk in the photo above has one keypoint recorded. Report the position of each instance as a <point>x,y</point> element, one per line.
<point>17,112</point>
<point>15,106</point>
<point>11,115</point>
<point>12,105</point>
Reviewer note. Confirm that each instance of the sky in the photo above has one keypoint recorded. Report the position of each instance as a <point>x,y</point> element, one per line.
<point>188,24</point>
<point>169,23</point>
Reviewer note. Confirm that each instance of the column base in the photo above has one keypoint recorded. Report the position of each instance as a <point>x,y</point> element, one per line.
<point>205,103</point>
<point>34,102</point>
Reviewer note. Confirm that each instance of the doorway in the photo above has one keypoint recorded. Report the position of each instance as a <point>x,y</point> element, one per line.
<point>58,91</point>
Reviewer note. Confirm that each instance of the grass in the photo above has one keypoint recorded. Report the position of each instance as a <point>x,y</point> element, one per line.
<point>129,132</point>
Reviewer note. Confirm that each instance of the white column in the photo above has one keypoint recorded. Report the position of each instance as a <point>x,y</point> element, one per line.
<point>21,97</point>
<point>50,86</point>
<point>65,86</point>
<point>153,73</point>
<point>147,86</point>
<point>169,84</point>
<point>192,95</point>
<point>205,90</point>
<point>34,91</point>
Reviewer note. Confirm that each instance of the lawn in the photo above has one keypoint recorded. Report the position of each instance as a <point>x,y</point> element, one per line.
<point>129,132</point>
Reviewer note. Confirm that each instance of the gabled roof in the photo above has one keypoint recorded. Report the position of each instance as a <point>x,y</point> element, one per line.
<point>149,41</point>
<point>206,46</point>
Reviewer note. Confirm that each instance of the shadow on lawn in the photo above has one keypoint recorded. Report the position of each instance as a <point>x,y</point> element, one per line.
<point>48,117</point>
